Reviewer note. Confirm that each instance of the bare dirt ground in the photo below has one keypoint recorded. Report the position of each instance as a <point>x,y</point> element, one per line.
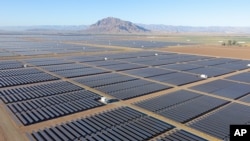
<point>2,135</point>
<point>217,51</point>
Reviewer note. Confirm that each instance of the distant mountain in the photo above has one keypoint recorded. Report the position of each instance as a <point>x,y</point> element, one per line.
<point>195,29</point>
<point>115,25</point>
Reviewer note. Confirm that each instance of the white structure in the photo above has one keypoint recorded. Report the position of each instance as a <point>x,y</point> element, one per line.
<point>105,100</point>
<point>105,58</point>
<point>156,54</point>
<point>25,65</point>
<point>242,42</point>
<point>248,65</point>
<point>204,76</point>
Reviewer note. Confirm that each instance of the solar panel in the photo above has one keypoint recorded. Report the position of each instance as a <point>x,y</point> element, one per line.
<point>133,125</point>
<point>181,67</point>
<point>239,65</point>
<point>242,77</point>
<point>47,61</point>
<point>63,104</point>
<point>149,72</point>
<point>210,71</point>
<point>177,78</point>
<point>167,100</point>
<point>105,63</point>
<point>224,88</point>
<point>35,91</point>
<point>245,99</point>
<point>192,109</point>
<point>180,135</point>
<point>4,65</point>
<point>133,88</point>
<point>123,66</point>
<point>21,77</point>
<point>217,124</point>
<point>104,79</point>
<point>80,72</point>
<point>215,61</point>
<point>61,67</point>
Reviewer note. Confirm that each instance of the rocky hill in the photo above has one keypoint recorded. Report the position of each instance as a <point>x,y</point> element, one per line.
<point>115,25</point>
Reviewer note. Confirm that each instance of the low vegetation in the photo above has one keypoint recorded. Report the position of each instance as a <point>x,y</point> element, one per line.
<point>231,43</point>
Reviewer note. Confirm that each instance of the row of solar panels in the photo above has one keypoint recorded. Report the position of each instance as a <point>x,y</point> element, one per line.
<point>227,65</point>
<point>180,135</point>
<point>4,65</point>
<point>182,106</point>
<point>121,86</point>
<point>169,77</point>
<point>34,111</point>
<point>36,91</point>
<point>185,106</point>
<point>6,54</point>
<point>224,88</point>
<point>217,123</point>
<point>39,48</point>
<point>103,79</point>
<point>122,123</point>
<point>118,124</point>
<point>25,79</point>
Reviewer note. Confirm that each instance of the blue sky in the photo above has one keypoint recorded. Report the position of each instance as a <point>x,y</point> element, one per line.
<point>85,12</point>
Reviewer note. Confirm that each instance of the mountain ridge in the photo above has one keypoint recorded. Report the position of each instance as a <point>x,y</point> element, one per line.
<point>198,29</point>
<point>115,25</point>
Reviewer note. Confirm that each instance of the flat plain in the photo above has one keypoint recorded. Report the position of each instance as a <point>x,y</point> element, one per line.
<point>51,85</point>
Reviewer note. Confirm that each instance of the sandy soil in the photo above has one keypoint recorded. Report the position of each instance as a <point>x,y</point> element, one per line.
<point>2,135</point>
<point>218,51</point>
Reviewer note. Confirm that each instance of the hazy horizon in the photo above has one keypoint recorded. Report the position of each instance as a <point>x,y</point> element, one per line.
<point>177,13</point>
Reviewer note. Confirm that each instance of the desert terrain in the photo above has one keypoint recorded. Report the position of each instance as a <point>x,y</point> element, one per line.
<point>11,129</point>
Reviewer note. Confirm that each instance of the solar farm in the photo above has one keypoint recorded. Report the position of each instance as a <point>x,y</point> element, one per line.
<point>51,89</point>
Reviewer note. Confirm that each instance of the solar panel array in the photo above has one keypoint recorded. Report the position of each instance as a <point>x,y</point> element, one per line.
<point>130,89</point>
<point>121,86</point>
<point>177,79</point>
<point>4,65</point>
<point>104,79</point>
<point>38,103</point>
<point>210,72</point>
<point>149,72</point>
<point>32,94</point>
<point>181,135</point>
<point>23,76</point>
<point>37,110</point>
<point>55,68</point>
<point>80,72</point>
<point>198,106</point>
<point>165,101</point>
<point>47,61</point>
<point>224,88</point>
<point>32,48</point>
<point>139,43</point>
<point>217,124</point>
<point>181,106</point>
<point>245,99</point>
<point>122,123</point>
<point>242,77</point>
